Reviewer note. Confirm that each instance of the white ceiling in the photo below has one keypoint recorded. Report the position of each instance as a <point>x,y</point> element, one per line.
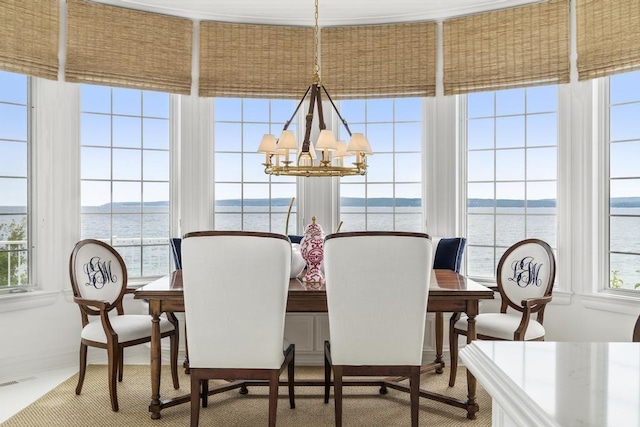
<point>301,12</point>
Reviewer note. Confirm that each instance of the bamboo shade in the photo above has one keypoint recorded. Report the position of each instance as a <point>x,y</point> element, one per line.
<point>29,37</point>
<point>243,60</point>
<point>516,47</point>
<point>379,60</point>
<point>608,37</point>
<point>122,47</point>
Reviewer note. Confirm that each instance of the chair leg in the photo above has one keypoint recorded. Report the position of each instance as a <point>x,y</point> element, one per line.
<point>174,360</point>
<point>83,367</point>
<point>195,400</point>
<point>120,364</point>
<point>273,396</point>
<point>337,393</point>
<point>205,393</point>
<point>453,349</point>
<point>327,374</point>
<point>415,395</point>
<point>185,364</point>
<point>174,341</point>
<point>291,379</point>
<point>113,355</point>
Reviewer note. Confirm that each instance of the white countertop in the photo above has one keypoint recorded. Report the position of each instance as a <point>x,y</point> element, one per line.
<point>560,383</point>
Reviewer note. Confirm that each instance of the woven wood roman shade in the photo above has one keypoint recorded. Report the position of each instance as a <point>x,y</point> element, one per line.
<point>516,47</point>
<point>122,47</point>
<point>608,37</point>
<point>29,37</point>
<point>242,60</point>
<point>379,60</point>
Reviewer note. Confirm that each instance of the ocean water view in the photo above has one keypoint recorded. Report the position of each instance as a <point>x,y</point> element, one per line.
<point>140,232</point>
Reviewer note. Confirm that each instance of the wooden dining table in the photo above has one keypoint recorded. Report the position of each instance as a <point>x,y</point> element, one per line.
<point>448,292</point>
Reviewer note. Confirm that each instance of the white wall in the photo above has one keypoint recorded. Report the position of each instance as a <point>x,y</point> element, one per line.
<point>40,330</point>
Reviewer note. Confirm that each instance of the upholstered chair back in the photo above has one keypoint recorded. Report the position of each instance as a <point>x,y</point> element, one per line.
<point>377,286</point>
<point>176,252</point>
<point>448,252</point>
<point>97,272</point>
<point>235,296</point>
<point>526,270</point>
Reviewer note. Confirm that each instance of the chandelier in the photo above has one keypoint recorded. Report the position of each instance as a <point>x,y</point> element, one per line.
<point>335,155</point>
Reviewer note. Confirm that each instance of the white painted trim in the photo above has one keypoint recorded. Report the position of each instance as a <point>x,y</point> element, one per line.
<point>27,300</point>
<point>612,301</point>
<point>22,365</point>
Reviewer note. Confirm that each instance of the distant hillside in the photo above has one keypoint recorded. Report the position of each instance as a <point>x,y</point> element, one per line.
<point>618,202</point>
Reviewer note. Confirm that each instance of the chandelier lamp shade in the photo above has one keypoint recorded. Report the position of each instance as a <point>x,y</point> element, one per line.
<point>337,157</point>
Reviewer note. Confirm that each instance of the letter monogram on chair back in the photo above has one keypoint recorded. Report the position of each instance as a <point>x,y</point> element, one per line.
<point>99,273</point>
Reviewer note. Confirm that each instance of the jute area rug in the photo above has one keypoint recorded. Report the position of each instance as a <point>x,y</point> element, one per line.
<point>362,406</point>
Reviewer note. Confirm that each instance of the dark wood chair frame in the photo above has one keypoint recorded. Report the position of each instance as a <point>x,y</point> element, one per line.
<point>636,331</point>
<point>339,371</point>
<point>200,384</point>
<point>115,348</point>
<point>529,306</point>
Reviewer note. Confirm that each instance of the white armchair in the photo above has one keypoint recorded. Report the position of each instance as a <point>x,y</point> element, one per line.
<point>377,288</point>
<point>525,277</point>
<point>235,295</point>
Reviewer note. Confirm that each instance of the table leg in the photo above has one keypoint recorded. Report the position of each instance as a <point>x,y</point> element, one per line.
<point>439,340</point>
<point>472,405</point>
<point>156,359</point>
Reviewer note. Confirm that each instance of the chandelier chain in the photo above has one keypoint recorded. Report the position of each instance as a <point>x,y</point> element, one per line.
<point>316,66</point>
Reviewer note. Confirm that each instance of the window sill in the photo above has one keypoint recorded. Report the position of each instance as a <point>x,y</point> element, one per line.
<point>616,302</point>
<point>27,300</point>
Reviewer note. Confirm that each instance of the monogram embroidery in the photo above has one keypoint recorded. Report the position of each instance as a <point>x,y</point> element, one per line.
<point>98,273</point>
<point>525,272</point>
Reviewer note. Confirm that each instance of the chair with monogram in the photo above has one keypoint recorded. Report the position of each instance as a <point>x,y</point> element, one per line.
<point>99,281</point>
<point>525,277</point>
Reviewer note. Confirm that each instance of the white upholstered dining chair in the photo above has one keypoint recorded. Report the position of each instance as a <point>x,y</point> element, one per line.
<point>99,281</point>
<point>235,294</point>
<point>377,286</point>
<point>525,276</point>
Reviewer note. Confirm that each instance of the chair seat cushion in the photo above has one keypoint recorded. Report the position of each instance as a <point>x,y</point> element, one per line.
<point>129,327</point>
<point>502,326</point>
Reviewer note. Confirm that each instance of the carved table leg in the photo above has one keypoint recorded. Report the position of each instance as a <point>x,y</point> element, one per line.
<point>154,407</point>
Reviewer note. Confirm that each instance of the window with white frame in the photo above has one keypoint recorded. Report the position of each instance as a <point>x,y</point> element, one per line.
<point>15,138</point>
<point>245,197</point>
<point>389,196</point>
<point>624,180</point>
<point>124,138</point>
<point>511,172</point>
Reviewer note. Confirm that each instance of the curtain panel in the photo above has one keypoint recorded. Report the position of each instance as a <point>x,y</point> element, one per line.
<point>608,37</point>
<point>515,47</point>
<point>243,60</point>
<point>369,61</point>
<point>115,46</point>
<point>29,37</point>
